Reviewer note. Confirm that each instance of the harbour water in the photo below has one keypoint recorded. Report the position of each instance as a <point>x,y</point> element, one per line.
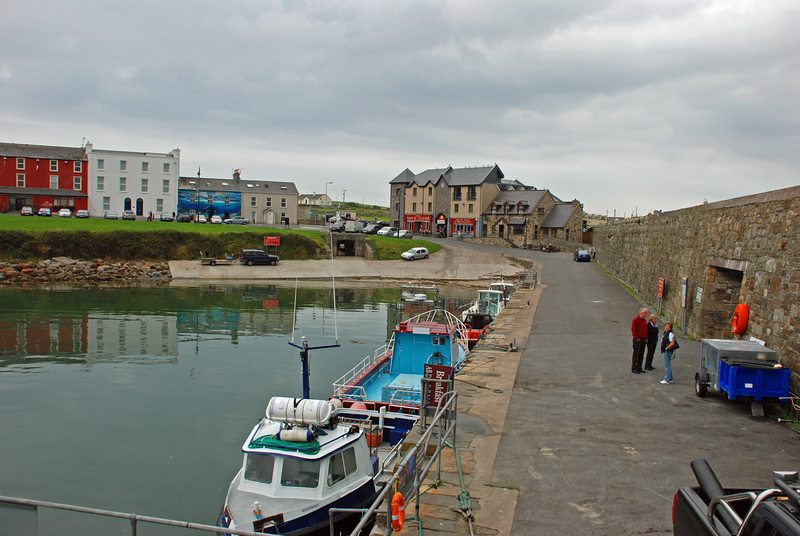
<point>138,399</point>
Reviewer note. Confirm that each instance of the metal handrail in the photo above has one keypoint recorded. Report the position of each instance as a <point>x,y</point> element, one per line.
<point>133,518</point>
<point>362,365</point>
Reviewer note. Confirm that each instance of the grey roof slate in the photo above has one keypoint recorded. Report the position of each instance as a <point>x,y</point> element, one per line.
<point>512,197</point>
<point>231,185</point>
<point>16,190</point>
<point>405,177</point>
<point>452,176</point>
<point>45,152</point>
<point>559,216</point>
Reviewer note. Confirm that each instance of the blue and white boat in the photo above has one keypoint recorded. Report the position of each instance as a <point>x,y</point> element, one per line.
<point>306,457</point>
<point>433,343</point>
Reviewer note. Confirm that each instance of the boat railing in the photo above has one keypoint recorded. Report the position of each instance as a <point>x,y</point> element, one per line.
<point>418,461</point>
<point>343,386</point>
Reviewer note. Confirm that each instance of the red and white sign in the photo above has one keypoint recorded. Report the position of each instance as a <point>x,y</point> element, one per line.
<point>660,287</point>
<point>462,221</point>
<point>442,377</point>
<point>272,240</point>
<point>419,217</point>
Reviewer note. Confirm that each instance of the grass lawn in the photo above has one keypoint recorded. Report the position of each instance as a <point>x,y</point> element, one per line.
<point>385,248</point>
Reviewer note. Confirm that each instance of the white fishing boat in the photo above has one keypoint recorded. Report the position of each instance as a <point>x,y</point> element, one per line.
<point>306,457</point>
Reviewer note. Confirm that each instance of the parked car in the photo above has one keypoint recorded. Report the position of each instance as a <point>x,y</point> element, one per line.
<point>372,228</point>
<point>128,215</point>
<point>387,231</point>
<point>415,253</point>
<point>383,223</point>
<point>26,211</point>
<point>338,227</point>
<point>45,212</point>
<point>184,218</point>
<point>581,255</point>
<point>165,216</point>
<point>258,256</point>
<point>404,233</point>
<point>237,220</point>
<point>65,213</point>
<point>110,215</point>
<point>201,218</point>
<point>82,213</point>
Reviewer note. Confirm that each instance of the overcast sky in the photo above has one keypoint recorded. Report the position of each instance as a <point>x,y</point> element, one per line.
<point>628,106</point>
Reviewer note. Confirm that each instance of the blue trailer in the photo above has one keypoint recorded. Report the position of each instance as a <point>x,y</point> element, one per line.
<point>741,369</point>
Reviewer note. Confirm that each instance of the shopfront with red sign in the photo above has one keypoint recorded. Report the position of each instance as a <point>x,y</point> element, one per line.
<point>463,226</point>
<point>418,223</point>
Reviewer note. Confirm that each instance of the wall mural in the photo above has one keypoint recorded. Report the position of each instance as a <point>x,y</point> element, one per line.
<point>210,202</point>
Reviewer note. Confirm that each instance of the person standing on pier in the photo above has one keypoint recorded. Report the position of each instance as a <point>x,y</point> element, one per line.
<point>639,334</point>
<point>652,341</point>
<point>668,346</point>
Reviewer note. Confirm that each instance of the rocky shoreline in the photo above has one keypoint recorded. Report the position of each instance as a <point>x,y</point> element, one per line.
<point>67,270</point>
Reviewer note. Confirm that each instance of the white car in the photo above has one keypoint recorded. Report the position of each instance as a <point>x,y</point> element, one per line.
<point>201,218</point>
<point>404,233</point>
<point>65,213</point>
<point>215,219</point>
<point>415,253</point>
<point>387,231</point>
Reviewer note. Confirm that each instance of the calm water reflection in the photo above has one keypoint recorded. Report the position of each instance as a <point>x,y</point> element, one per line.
<point>138,399</point>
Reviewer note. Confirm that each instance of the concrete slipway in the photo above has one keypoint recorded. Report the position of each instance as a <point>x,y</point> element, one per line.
<point>559,437</point>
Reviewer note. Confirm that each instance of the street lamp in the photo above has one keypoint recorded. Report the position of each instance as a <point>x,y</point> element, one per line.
<point>326,200</point>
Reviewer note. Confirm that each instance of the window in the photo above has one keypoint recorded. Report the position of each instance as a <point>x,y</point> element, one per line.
<point>269,201</point>
<point>283,202</point>
<point>413,207</point>
<point>415,192</point>
<point>101,164</point>
<point>77,167</point>
<point>54,182</point>
<point>192,198</point>
<point>76,183</point>
<point>20,180</point>
<point>469,208</point>
<point>166,168</point>
<point>145,185</point>
<point>159,205</point>
<point>106,203</point>
<point>123,165</point>
<point>210,199</point>
<point>455,209</point>
<point>540,211</point>
<point>165,186</point>
<point>471,193</point>
<point>123,184</point>
<point>64,201</point>
<point>145,166</point>
<point>253,202</point>
<point>101,183</point>
<point>259,468</point>
<point>227,200</point>
<point>430,190</point>
<point>456,193</point>
<point>253,217</point>
<point>53,165</point>
<point>20,163</point>
<point>430,207</point>
<point>300,473</point>
<point>341,465</point>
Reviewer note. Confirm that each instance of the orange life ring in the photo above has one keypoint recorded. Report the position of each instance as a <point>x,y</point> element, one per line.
<point>739,319</point>
<point>398,511</point>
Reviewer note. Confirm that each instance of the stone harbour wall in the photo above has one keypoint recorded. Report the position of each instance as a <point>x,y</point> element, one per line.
<point>66,270</point>
<point>713,257</point>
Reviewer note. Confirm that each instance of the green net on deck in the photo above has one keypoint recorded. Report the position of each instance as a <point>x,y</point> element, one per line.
<point>272,442</point>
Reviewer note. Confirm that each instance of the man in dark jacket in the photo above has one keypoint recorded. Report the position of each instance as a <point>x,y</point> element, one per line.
<point>639,334</point>
<point>652,341</point>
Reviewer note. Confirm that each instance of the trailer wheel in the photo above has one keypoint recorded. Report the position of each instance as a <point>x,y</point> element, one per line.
<point>700,387</point>
<point>213,263</point>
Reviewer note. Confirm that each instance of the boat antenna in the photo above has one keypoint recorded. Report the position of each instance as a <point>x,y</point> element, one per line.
<point>294,312</point>
<point>333,284</point>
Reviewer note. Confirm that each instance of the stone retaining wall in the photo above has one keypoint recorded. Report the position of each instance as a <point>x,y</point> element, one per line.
<point>743,250</point>
<point>66,270</point>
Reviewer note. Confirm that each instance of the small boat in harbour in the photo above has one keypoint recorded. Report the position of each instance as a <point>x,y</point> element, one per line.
<point>306,457</point>
<point>430,345</point>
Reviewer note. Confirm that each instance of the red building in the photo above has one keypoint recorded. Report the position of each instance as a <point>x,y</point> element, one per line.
<point>40,176</point>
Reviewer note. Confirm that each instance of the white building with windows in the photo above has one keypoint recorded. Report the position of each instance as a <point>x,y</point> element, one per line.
<point>123,180</point>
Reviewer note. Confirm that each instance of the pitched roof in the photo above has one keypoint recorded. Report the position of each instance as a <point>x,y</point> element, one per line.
<point>530,198</point>
<point>559,215</point>
<point>231,185</point>
<point>452,176</point>
<point>405,177</point>
<point>46,152</point>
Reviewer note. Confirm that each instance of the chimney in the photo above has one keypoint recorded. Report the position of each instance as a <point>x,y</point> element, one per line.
<point>236,175</point>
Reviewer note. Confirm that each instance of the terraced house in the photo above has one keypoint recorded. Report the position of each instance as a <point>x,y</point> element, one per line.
<point>42,176</point>
<point>479,202</point>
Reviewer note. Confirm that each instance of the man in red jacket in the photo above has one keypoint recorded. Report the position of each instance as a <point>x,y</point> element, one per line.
<point>639,333</point>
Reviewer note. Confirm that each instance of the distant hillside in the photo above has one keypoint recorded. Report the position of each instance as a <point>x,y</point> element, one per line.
<point>368,212</point>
